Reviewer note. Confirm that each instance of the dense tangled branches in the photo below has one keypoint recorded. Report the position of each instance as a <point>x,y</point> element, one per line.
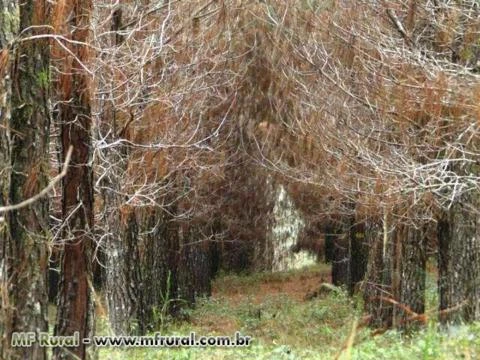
<point>366,111</point>
<point>368,103</point>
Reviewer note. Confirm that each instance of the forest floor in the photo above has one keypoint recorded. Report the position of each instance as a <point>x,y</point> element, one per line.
<point>287,320</point>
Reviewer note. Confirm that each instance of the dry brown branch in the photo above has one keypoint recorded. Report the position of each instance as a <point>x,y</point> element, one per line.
<point>44,191</point>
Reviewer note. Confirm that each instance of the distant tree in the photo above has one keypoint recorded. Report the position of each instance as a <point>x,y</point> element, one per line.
<point>408,75</point>
<point>375,111</point>
<point>151,145</point>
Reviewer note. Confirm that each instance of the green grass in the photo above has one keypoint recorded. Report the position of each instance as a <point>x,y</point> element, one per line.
<point>284,327</point>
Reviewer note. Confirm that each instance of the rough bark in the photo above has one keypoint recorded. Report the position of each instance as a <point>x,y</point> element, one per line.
<point>159,256</point>
<point>123,279</point>
<point>394,286</point>
<point>459,261</point>
<point>28,259</point>
<point>412,276</point>
<point>8,29</point>
<point>75,304</point>
<point>377,287</point>
<point>194,269</point>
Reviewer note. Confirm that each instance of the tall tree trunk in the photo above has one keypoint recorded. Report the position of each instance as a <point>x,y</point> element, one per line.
<point>159,241</point>
<point>75,303</point>
<point>349,253</point>
<point>8,29</point>
<point>341,262</point>
<point>329,244</point>
<point>394,288</point>
<point>412,275</point>
<point>28,259</point>
<point>123,277</point>
<point>194,268</point>
<point>459,261</point>
<point>377,287</point>
<point>359,255</point>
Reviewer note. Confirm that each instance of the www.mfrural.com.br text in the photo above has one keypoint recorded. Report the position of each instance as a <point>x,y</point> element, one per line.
<point>44,339</point>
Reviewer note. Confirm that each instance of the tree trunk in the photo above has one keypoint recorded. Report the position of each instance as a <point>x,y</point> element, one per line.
<point>349,255</point>
<point>459,261</point>
<point>123,279</point>
<point>75,304</point>
<point>359,255</point>
<point>341,262</point>
<point>329,244</point>
<point>194,268</point>
<point>377,286</point>
<point>8,29</point>
<point>28,259</point>
<point>159,243</point>
<point>394,288</point>
<point>412,275</point>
